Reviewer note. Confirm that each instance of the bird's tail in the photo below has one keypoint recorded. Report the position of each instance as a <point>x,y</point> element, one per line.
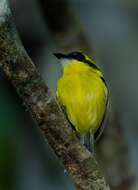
<point>88,141</point>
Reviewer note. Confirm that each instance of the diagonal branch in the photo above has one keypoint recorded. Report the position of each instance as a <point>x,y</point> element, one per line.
<point>20,70</point>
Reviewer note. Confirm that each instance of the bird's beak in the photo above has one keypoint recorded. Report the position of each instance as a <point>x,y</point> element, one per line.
<point>60,55</point>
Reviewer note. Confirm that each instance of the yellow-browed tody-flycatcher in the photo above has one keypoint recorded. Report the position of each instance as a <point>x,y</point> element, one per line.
<point>83,94</point>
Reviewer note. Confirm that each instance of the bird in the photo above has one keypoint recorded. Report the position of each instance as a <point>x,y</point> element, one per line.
<point>82,93</point>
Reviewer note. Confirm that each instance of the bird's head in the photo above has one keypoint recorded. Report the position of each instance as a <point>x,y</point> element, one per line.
<point>66,59</point>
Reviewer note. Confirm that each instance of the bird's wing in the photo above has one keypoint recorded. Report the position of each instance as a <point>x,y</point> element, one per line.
<point>100,130</point>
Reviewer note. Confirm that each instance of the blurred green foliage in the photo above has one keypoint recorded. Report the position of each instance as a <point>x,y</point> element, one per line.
<point>7,125</point>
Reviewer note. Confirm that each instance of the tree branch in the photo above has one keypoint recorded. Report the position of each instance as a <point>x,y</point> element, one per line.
<point>20,70</point>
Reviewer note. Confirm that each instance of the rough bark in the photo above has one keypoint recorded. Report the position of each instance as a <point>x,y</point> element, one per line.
<point>19,69</point>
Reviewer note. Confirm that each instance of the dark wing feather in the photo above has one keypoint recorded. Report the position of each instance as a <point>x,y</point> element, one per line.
<point>100,130</point>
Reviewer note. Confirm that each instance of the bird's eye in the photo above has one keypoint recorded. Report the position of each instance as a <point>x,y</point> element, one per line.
<point>77,55</point>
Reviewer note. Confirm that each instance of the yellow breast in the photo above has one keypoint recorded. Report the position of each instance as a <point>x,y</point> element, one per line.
<point>84,96</point>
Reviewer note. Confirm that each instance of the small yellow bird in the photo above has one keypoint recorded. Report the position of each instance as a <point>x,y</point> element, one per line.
<point>83,94</point>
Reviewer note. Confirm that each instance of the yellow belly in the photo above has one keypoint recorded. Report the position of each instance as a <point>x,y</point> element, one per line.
<point>84,96</point>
